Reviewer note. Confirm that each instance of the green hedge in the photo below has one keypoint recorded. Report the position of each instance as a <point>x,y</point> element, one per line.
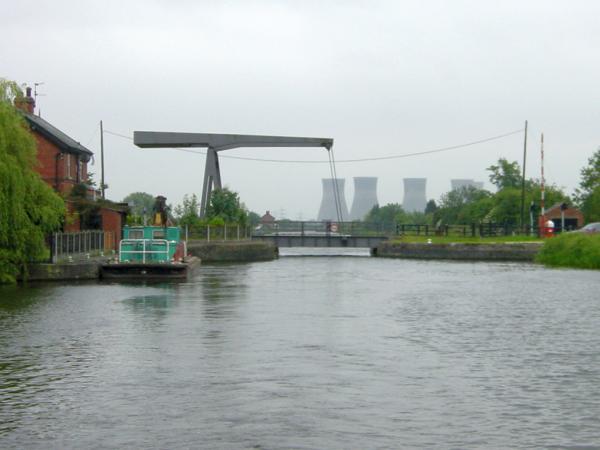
<point>577,250</point>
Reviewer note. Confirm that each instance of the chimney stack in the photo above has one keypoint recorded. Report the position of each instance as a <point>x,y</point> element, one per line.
<point>26,103</point>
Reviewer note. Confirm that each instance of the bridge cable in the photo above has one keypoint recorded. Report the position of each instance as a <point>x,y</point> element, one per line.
<point>334,185</point>
<point>344,161</point>
<point>337,189</point>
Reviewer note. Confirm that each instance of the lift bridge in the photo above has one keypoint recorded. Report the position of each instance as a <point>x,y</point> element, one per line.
<point>292,234</point>
<point>321,234</point>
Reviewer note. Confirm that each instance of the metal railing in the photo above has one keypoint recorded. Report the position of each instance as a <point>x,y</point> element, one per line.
<point>144,251</point>
<point>81,244</point>
<point>230,232</point>
<point>307,228</point>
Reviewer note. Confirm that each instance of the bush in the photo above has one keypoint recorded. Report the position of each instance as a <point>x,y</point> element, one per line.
<point>577,250</point>
<point>29,208</point>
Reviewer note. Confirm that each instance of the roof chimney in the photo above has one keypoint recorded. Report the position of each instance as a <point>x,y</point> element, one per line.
<point>26,103</point>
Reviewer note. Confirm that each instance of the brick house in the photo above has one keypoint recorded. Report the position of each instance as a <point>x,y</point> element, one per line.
<point>573,217</point>
<point>62,163</point>
<point>267,219</point>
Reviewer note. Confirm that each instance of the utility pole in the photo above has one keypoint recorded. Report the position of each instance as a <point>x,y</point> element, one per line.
<point>542,203</point>
<point>523,180</point>
<point>102,158</point>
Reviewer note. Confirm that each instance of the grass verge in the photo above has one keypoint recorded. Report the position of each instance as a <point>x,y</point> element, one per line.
<point>576,250</point>
<point>467,240</point>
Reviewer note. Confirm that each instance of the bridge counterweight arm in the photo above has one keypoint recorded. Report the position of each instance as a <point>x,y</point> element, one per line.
<point>216,143</point>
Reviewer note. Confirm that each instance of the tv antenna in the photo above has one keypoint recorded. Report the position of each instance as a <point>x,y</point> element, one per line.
<point>36,94</point>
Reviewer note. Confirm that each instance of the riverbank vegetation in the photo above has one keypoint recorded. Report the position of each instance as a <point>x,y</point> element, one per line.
<point>224,208</point>
<point>588,193</point>
<point>467,239</point>
<point>471,205</point>
<point>29,208</point>
<point>575,250</point>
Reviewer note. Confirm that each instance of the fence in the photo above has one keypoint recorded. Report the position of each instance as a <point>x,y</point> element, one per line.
<point>393,229</point>
<point>228,232</point>
<point>472,230</point>
<point>81,244</point>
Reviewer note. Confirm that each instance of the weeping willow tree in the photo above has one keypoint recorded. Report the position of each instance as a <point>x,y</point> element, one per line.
<point>29,208</point>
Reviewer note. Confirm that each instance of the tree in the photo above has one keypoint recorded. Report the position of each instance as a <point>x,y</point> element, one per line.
<point>587,195</point>
<point>187,212</point>
<point>29,208</point>
<point>140,203</point>
<point>253,218</point>
<point>388,214</point>
<point>463,206</point>
<point>505,174</point>
<point>226,205</point>
<point>431,207</point>
<point>591,206</point>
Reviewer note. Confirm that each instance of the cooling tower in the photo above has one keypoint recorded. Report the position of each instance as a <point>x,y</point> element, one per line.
<point>415,198</point>
<point>464,182</point>
<point>328,211</point>
<point>365,197</point>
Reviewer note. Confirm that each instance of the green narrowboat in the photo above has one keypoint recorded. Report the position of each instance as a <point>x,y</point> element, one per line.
<point>150,244</point>
<point>151,253</point>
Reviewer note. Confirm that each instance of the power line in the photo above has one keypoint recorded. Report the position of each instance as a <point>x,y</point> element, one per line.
<point>380,158</point>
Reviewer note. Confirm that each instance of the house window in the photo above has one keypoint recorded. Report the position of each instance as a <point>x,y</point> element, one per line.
<point>82,174</point>
<point>79,169</point>
<point>68,165</point>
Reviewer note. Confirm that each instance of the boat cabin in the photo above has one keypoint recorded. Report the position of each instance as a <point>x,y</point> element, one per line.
<point>151,244</point>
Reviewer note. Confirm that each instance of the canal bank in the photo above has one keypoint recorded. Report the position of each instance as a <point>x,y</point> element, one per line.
<point>506,251</point>
<point>211,252</point>
<point>232,251</point>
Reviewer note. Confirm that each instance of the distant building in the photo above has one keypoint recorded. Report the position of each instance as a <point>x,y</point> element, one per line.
<point>573,217</point>
<point>267,219</point>
<point>329,206</point>
<point>415,197</point>
<point>464,182</point>
<point>365,197</point>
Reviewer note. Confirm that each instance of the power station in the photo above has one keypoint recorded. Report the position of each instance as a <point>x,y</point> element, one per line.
<point>365,197</point>
<point>415,197</point>
<point>328,209</point>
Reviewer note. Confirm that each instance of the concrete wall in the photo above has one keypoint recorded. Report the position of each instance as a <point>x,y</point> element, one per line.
<point>521,251</point>
<point>68,271</point>
<point>232,251</point>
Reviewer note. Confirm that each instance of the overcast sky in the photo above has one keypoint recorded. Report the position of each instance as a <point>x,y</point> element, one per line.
<point>379,77</point>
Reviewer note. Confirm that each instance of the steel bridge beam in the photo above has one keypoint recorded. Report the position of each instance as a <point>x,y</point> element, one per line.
<point>216,143</point>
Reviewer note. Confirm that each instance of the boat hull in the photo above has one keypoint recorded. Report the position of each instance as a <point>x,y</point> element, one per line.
<point>149,271</point>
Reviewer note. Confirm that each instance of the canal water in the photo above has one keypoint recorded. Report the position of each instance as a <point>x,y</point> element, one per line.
<point>307,352</point>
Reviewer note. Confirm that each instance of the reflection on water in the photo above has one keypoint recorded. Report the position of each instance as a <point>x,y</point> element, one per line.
<point>314,352</point>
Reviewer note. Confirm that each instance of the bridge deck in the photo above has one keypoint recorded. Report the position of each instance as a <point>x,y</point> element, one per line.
<point>320,240</point>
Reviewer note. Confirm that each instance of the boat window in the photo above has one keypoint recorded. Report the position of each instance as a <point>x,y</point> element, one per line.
<point>136,234</point>
<point>158,234</point>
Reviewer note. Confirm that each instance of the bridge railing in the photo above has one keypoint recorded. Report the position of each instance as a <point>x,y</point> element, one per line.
<point>307,228</point>
<point>227,232</point>
<point>471,230</point>
<point>390,229</point>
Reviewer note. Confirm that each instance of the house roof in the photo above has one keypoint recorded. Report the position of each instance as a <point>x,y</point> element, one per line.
<point>53,134</point>
<point>556,207</point>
